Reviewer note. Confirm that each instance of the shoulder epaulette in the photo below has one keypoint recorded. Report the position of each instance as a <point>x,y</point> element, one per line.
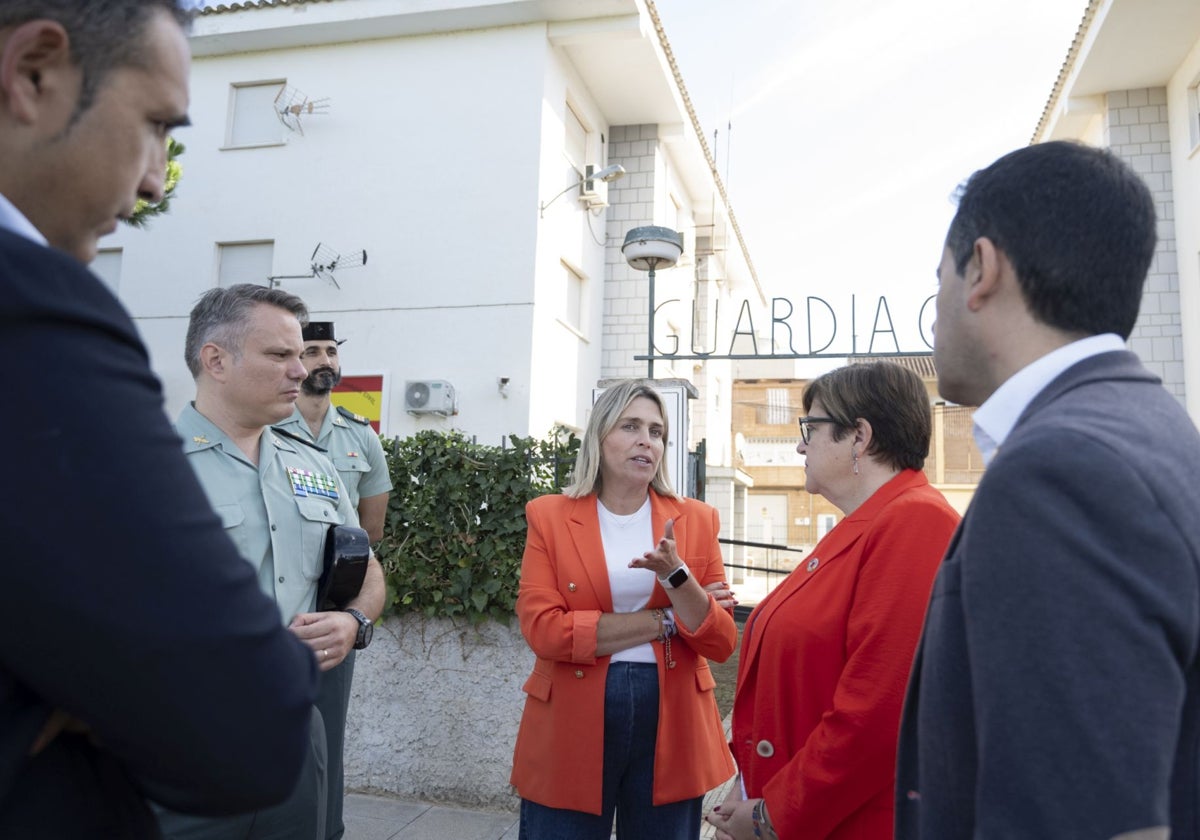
<point>293,436</point>
<point>350,415</point>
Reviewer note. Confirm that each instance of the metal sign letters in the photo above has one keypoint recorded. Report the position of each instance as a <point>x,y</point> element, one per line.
<point>816,329</point>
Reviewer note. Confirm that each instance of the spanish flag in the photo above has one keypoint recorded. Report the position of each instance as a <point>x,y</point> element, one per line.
<point>362,395</point>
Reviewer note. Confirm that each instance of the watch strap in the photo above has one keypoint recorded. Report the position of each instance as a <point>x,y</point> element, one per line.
<point>360,640</point>
<point>676,578</point>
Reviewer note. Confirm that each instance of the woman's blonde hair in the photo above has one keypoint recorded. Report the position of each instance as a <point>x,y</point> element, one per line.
<point>606,413</point>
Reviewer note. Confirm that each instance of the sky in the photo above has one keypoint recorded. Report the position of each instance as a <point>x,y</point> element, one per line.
<point>843,127</point>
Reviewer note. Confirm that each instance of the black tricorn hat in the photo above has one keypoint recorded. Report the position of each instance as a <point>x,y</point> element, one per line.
<point>320,331</point>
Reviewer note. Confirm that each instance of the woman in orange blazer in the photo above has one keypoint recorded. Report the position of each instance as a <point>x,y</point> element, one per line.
<point>826,656</point>
<point>620,714</point>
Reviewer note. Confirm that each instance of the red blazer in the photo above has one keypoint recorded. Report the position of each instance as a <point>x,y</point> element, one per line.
<point>824,663</point>
<point>564,589</point>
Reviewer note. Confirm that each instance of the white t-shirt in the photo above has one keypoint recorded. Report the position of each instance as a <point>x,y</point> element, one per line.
<point>625,538</point>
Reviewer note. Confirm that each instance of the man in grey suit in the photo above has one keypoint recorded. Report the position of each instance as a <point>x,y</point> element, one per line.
<point>1056,691</point>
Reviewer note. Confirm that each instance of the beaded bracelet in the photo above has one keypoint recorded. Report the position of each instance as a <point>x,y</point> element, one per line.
<point>665,632</point>
<point>760,818</point>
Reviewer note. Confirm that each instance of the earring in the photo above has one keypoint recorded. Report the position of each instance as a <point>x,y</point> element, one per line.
<point>855,453</point>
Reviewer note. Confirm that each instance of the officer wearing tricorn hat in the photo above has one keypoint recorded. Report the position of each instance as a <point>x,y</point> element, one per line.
<point>356,452</point>
<point>348,438</point>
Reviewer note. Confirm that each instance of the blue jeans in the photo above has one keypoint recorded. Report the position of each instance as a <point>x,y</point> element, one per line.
<point>630,731</point>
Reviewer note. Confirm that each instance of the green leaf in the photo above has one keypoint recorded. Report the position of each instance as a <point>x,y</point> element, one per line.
<point>435,550</point>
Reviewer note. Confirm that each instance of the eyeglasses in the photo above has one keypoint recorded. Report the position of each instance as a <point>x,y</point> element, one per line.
<point>806,424</point>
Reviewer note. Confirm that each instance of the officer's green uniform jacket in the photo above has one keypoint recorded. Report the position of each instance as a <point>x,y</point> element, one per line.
<point>353,447</point>
<point>277,513</point>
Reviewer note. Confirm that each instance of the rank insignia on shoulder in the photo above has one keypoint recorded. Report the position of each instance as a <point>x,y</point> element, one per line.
<point>309,483</point>
<point>350,415</point>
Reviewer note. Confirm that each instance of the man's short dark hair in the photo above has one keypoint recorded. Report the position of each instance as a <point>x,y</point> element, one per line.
<point>1078,226</point>
<point>222,316</point>
<point>890,397</point>
<point>104,34</point>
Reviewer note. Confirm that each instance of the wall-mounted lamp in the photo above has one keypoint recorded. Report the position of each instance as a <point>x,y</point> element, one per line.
<point>607,174</point>
<point>646,249</point>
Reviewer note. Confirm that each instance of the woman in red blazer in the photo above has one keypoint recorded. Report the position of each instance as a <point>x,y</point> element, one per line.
<point>620,714</point>
<point>826,656</point>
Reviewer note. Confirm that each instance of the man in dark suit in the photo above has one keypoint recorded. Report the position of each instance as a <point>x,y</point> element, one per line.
<point>1056,691</point>
<point>132,631</point>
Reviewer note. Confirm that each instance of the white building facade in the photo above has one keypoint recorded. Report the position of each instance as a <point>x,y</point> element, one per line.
<point>437,138</point>
<point>1131,82</point>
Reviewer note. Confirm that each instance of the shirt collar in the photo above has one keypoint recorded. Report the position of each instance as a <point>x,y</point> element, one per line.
<point>995,419</point>
<point>12,219</point>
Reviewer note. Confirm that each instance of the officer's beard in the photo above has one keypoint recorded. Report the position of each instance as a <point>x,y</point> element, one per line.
<point>321,381</point>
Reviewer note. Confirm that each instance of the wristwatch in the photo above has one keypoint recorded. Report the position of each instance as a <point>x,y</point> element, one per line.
<point>365,629</point>
<point>676,579</point>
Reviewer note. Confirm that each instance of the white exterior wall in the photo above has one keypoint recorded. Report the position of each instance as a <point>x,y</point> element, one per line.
<point>1125,85</point>
<point>435,155</point>
<point>418,171</point>
<point>1137,132</point>
<point>1185,165</point>
<point>652,193</point>
<point>566,362</point>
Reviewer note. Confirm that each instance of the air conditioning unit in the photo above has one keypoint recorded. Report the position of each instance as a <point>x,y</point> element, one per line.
<point>593,192</point>
<point>430,396</point>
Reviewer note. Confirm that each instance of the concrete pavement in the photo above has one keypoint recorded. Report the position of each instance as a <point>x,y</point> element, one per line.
<point>370,817</point>
<point>383,818</point>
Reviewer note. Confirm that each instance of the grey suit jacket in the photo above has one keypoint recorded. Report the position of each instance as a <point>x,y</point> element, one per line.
<point>1055,691</point>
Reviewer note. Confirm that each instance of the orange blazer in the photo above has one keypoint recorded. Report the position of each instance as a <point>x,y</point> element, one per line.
<point>563,592</point>
<point>824,663</point>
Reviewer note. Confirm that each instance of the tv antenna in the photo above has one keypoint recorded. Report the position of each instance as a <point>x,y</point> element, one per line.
<point>324,261</point>
<point>291,104</point>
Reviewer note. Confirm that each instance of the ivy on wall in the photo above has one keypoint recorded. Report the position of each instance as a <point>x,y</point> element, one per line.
<point>455,527</point>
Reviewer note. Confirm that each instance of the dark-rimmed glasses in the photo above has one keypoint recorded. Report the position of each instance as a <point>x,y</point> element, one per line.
<point>806,424</point>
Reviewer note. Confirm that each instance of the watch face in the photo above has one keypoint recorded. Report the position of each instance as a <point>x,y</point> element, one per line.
<point>678,577</point>
<point>365,632</point>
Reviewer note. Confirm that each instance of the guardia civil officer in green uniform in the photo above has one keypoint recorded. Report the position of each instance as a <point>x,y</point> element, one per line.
<point>351,442</point>
<point>277,496</point>
<point>356,452</point>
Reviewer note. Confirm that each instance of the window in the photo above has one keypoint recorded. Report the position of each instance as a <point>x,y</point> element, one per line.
<point>779,407</point>
<point>244,262</point>
<point>107,266</point>
<point>574,310</point>
<point>253,120</point>
<point>825,523</point>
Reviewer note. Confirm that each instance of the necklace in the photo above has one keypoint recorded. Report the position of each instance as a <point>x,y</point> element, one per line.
<point>624,520</point>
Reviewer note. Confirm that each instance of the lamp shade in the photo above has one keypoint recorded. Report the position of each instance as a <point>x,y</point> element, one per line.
<point>651,247</point>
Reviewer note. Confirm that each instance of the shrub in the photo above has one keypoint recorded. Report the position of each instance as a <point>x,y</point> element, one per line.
<point>455,527</point>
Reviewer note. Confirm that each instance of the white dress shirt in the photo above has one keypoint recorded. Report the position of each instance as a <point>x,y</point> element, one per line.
<point>14,220</point>
<point>994,420</point>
